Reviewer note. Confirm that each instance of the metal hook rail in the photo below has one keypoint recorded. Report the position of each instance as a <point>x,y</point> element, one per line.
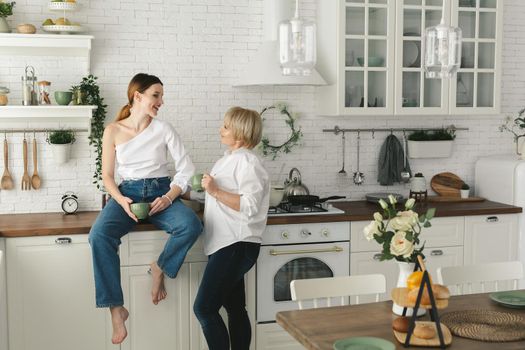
<point>28,130</point>
<point>336,130</point>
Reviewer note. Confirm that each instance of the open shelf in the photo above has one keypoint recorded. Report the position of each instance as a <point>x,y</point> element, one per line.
<point>48,111</point>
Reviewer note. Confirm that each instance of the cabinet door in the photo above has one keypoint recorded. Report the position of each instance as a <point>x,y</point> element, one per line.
<point>414,93</point>
<point>356,56</point>
<point>51,295</point>
<point>476,86</point>
<point>162,326</point>
<point>441,257</point>
<point>368,263</point>
<point>491,238</point>
<point>3,298</point>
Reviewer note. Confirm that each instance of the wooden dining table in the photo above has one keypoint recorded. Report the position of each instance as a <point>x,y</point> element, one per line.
<point>319,328</point>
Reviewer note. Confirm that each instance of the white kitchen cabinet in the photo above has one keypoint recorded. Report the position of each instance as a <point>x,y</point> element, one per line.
<point>390,34</point>
<point>171,324</point>
<point>491,238</point>
<point>3,298</point>
<point>443,247</point>
<point>162,326</point>
<point>51,295</point>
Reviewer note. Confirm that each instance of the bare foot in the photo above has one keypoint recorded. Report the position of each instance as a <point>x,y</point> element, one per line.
<point>158,291</point>
<point>119,315</point>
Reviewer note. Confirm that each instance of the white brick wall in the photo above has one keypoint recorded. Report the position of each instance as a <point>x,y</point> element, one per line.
<point>198,48</point>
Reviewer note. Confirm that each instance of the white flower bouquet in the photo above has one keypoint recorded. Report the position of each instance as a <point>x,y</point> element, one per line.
<point>398,231</point>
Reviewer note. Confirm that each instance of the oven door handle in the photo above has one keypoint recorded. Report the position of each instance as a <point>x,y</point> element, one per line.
<point>334,249</point>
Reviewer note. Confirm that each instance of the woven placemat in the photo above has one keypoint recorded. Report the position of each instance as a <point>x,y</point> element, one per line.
<point>486,325</point>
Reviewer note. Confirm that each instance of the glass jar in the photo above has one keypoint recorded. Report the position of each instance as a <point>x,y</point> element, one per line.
<point>43,92</point>
<point>3,96</point>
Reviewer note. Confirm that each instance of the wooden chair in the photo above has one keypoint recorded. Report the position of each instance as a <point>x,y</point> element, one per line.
<point>324,289</point>
<point>480,275</point>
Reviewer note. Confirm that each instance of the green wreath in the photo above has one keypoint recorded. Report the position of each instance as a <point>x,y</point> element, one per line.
<point>293,140</point>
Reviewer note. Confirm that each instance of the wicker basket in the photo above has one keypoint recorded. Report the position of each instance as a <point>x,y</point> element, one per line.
<point>26,28</point>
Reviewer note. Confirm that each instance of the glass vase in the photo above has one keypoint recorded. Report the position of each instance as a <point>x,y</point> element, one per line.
<point>405,269</point>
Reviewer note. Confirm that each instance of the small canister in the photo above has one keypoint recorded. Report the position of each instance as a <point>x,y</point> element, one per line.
<point>43,92</point>
<point>29,94</point>
<point>418,183</point>
<point>3,95</point>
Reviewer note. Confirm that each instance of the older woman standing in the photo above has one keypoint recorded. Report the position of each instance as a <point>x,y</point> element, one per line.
<point>141,146</point>
<point>236,207</point>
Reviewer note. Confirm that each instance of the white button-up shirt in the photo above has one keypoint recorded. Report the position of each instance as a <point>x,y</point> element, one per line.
<point>240,172</point>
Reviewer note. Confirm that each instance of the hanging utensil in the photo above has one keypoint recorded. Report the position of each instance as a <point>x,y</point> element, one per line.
<point>405,174</point>
<point>6,183</point>
<point>35,179</point>
<point>342,172</point>
<point>358,177</point>
<point>26,180</point>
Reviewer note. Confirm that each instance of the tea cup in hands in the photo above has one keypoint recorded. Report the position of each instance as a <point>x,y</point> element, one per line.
<point>140,210</point>
<point>196,182</point>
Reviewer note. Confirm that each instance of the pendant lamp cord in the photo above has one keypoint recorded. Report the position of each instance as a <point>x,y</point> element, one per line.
<point>296,8</point>
<point>443,12</point>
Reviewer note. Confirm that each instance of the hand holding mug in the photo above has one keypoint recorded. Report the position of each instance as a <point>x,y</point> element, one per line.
<point>208,183</point>
<point>196,182</point>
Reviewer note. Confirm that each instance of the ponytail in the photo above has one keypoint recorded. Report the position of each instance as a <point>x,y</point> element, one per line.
<point>124,113</point>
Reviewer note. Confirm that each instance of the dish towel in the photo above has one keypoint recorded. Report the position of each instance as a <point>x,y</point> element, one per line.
<point>391,162</point>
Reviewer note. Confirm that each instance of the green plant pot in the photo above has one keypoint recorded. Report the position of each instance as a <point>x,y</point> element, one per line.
<point>63,98</point>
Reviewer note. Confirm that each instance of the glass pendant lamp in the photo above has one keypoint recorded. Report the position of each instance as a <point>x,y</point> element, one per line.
<point>442,49</point>
<point>297,45</point>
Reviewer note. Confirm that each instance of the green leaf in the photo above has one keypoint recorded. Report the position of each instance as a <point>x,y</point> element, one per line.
<point>430,213</point>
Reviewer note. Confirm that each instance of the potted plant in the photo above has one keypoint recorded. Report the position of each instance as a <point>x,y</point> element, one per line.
<point>465,190</point>
<point>6,9</point>
<point>397,231</point>
<point>61,141</point>
<point>431,143</point>
<point>516,126</point>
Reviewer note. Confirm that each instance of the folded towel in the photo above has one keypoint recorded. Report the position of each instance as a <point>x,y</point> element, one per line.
<point>391,162</point>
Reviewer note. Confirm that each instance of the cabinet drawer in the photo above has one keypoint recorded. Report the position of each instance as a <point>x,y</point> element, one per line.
<point>444,232</point>
<point>142,248</point>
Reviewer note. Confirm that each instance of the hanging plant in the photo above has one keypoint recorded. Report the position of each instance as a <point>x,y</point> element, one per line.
<point>88,93</point>
<point>295,133</point>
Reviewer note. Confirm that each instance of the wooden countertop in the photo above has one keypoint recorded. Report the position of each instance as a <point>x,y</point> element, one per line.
<point>43,224</point>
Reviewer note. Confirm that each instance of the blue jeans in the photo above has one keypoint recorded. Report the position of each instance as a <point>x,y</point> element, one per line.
<point>179,221</point>
<point>223,285</point>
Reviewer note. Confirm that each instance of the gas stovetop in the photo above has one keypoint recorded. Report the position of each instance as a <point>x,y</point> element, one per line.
<point>287,209</point>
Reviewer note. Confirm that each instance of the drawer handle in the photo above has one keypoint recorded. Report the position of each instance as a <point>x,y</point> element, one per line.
<point>377,256</point>
<point>492,219</point>
<point>63,240</point>
<point>436,252</point>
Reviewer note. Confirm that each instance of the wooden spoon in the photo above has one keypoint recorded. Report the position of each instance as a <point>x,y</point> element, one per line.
<point>35,179</point>
<point>7,181</point>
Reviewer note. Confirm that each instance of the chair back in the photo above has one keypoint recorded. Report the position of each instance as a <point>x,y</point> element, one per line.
<point>323,290</point>
<point>475,278</point>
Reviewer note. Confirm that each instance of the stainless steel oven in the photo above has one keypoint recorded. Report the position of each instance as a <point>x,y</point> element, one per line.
<point>298,251</point>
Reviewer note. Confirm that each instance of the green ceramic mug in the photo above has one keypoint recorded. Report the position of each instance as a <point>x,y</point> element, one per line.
<point>140,210</point>
<point>196,183</point>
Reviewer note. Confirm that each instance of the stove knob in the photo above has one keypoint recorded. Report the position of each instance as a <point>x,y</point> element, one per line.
<point>284,235</point>
<point>305,233</point>
<point>325,232</point>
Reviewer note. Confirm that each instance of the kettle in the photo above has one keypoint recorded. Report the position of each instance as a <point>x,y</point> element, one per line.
<point>293,185</point>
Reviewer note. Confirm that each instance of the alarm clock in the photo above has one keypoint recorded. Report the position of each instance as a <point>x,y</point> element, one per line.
<point>69,203</point>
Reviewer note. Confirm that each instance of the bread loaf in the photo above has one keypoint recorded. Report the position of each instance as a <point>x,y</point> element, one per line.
<point>400,324</point>
<point>424,331</point>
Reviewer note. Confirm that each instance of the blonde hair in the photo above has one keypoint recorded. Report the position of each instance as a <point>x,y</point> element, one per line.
<point>245,124</point>
<point>140,82</point>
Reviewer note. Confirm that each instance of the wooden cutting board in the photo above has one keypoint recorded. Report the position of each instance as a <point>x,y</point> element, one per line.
<point>446,184</point>
<point>454,199</point>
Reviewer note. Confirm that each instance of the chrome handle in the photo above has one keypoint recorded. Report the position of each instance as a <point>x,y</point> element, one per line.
<point>436,252</point>
<point>492,219</point>
<point>334,249</point>
<point>325,232</point>
<point>63,240</point>
<point>284,235</point>
<point>377,256</point>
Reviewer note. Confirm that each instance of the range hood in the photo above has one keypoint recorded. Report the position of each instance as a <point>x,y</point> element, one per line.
<point>264,67</point>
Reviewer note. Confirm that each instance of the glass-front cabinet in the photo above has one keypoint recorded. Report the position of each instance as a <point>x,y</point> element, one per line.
<point>356,55</point>
<point>370,54</point>
<point>414,93</point>
<point>477,84</point>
